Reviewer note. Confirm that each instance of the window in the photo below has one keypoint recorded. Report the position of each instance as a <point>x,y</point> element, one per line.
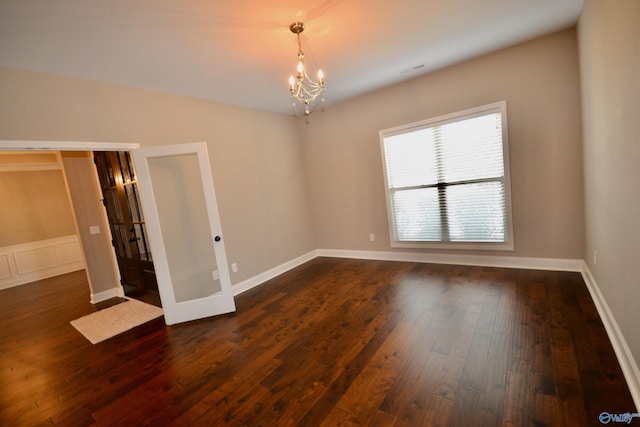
<point>447,181</point>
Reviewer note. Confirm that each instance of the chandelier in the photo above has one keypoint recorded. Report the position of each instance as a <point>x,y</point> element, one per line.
<point>304,91</point>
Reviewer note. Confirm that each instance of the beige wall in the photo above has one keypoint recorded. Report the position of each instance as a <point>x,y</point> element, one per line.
<point>609,40</point>
<point>256,157</point>
<point>281,183</point>
<point>35,206</point>
<point>89,211</point>
<point>539,81</point>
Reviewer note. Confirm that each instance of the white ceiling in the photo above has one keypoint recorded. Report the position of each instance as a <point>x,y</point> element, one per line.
<point>241,52</point>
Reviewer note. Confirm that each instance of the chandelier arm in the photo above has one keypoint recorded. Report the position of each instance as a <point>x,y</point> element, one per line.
<point>309,94</point>
<point>307,78</point>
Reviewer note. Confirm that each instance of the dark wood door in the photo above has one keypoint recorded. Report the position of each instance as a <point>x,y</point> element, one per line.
<point>130,240</point>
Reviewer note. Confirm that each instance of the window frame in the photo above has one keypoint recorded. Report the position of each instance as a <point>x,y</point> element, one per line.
<point>497,107</point>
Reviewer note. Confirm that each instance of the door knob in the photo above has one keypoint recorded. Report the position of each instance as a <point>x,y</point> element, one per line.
<point>217,238</point>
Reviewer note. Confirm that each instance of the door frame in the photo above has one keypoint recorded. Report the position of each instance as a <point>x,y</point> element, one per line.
<point>129,235</point>
<point>87,146</point>
<point>15,145</point>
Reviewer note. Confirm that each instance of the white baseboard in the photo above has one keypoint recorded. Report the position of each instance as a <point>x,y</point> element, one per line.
<point>254,281</point>
<point>623,353</point>
<point>105,295</point>
<point>550,264</point>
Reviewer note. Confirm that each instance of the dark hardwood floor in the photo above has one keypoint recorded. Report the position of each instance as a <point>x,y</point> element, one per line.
<point>334,342</point>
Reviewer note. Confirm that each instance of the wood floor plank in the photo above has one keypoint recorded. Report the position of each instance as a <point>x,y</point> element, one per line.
<point>382,419</point>
<point>517,411</point>
<point>376,379</point>
<point>438,413</point>
<point>415,400</point>
<point>331,342</point>
<point>416,380</point>
<point>451,373</point>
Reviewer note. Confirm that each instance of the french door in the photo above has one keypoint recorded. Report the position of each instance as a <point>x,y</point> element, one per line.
<point>178,198</point>
<point>122,202</point>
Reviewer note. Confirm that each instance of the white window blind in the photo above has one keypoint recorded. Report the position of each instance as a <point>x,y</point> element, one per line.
<point>447,179</point>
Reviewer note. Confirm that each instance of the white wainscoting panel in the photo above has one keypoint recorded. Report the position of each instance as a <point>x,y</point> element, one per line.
<point>35,259</point>
<point>70,252</point>
<point>28,262</point>
<point>5,270</point>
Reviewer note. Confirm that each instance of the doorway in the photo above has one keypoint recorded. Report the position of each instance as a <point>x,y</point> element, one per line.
<point>121,198</point>
<point>179,160</point>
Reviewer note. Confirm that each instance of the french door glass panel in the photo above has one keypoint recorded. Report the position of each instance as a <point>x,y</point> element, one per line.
<point>185,226</point>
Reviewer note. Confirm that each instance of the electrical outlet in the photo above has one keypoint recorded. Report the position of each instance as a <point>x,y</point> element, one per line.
<point>94,229</point>
<point>234,267</point>
<point>595,257</point>
<point>216,276</point>
<point>372,237</point>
